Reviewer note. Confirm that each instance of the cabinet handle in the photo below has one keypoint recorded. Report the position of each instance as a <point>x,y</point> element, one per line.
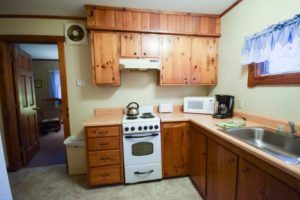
<point>194,78</point>
<point>144,54</point>
<point>196,66</point>
<point>104,175</point>
<point>105,158</point>
<point>245,170</point>
<point>91,13</point>
<point>113,78</point>
<point>101,132</point>
<point>103,144</point>
<point>134,53</point>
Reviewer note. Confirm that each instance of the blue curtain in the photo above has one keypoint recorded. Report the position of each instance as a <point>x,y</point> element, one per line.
<point>55,88</point>
<point>279,42</point>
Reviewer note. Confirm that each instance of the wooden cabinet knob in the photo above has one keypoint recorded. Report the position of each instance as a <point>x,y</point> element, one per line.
<point>245,170</point>
<point>103,144</point>
<point>194,78</point>
<point>144,54</point>
<point>196,66</point>
<point>134,53</point>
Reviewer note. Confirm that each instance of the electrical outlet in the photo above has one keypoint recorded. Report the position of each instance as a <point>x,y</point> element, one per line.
<point>80,83</point>
<point>239,103</point>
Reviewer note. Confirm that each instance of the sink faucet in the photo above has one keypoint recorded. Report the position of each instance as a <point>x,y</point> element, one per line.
<point>293,129</point>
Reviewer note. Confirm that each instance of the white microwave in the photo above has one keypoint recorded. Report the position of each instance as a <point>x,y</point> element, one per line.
<point>203,105</point>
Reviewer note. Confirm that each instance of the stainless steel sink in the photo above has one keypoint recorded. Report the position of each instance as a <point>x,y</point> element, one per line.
<point>281,145</point>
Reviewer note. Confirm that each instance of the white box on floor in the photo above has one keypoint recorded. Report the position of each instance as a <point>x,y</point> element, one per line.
<point>76,154</point>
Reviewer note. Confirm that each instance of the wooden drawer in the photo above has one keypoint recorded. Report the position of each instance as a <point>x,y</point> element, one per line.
<point>105,175</point>
<point>102,158</point>
<point>103,131</point>
<point>103,143</point>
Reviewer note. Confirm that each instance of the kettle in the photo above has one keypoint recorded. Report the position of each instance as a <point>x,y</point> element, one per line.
<point>132,110</point>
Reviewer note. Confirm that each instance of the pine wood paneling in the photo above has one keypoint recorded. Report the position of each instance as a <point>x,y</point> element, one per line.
<point>150,45</point>
<point>110,18</point>
<point>105,56</point>
<point>131,45</point>
<point>204,61</point>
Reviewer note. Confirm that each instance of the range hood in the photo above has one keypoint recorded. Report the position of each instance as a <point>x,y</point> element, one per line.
<point>139,64</point>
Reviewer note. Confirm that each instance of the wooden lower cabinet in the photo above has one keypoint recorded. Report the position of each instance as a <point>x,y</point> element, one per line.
<point>254,183</point>
<point>198,157</point>
<point>221,172</point>
<point>175,149</point>
<point>104,155</point>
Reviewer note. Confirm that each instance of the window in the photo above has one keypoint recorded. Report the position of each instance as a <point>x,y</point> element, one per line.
<point>273,55</point>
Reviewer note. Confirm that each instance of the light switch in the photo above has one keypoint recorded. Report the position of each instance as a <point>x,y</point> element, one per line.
<point>80,83</point>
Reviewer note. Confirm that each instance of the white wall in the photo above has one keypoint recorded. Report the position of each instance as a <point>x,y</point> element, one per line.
<point>136,86</point>
<point>249,17</point>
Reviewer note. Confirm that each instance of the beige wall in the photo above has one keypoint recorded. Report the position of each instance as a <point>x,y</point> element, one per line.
<point>247,18</point>
<point>136,86</point>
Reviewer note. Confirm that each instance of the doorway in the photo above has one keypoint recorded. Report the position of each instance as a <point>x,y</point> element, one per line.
<point>29,141</point>
<point>48,98</point>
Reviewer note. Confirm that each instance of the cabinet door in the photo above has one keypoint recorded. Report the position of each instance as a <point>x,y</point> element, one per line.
<point>105,53</point>
<point>204,61</point>
<point>198,156</point>
<point>253,183</point>
<point>131,45</point>
<point>176,60</point>
<point>221,172</point>
<point>175,149</point>
<point>150,47</point>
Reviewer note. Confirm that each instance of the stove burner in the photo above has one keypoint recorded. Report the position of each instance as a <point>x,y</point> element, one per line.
<point>131,117</point>
<point>147,116</point>
<point>147,113</point>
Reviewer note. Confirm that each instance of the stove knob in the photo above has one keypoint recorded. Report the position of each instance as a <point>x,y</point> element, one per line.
<point>150,127</point>
<point>126,129</point>
<point>156,126</point>
<point>140,128</point>
<point>132,128</point>
<point>145,127</point>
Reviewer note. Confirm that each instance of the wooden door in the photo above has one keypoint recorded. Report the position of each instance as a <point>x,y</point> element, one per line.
<point>150,46</point>
<point>175,149</point>
<point>221,172</point>
<point>204,61</point>
<point>176,60</point>
<point>105,52</point>
<point>131,45</point>
<point>27,115</point>
<point>198,156</point>
<point>253,183</point>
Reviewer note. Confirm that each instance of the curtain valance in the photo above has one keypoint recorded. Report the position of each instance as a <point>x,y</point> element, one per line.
<point>279,42</point>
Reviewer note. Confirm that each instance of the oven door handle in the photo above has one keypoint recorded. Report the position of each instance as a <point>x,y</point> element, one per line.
<point>140,173</point>
<point>142,136</point>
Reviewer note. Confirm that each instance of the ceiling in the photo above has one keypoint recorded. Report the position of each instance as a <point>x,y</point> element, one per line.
<point>41,51</point>
<point>76,7</point>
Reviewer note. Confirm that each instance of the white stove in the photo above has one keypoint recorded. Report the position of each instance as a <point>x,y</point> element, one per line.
<point>142,146</point>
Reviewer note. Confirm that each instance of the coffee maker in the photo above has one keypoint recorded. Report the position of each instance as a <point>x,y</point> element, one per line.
<point>224,106</point>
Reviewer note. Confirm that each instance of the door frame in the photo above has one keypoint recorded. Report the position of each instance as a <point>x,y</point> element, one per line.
<point>12,137</point>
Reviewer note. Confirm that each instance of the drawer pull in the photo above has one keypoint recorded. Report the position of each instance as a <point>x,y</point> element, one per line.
<point>105,158</point>
<point>100,132</point>
<point>103,144</point>
<point>139,173</point>
<point>104,175</point>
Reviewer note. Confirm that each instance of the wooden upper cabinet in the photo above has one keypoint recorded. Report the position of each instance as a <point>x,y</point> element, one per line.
<point>150,45</point>
<point>131,45</point>
<point>175,149</point>
<point>105,58</point>
<point>204,61</point>
<point>254,183</point>
<point>127,19</point>
<point>198,157</point>
<point>135,45</point>
<point>175,59</point>
<point>221,172</point>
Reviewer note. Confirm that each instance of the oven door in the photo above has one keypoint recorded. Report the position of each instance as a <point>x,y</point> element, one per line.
<point>142,148</point>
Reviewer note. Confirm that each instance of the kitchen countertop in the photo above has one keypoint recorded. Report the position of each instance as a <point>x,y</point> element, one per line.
<point>208,123</point>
